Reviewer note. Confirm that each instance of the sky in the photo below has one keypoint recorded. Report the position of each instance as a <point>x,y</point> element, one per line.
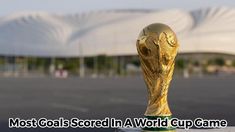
<point>77,6</point>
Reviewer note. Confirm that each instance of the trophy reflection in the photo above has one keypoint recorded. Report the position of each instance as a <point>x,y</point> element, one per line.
<point>157,47</point>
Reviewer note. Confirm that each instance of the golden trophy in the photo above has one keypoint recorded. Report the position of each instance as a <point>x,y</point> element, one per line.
<point>157,47</point>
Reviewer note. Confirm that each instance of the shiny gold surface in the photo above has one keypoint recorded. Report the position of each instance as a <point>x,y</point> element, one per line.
<point>157,47</point>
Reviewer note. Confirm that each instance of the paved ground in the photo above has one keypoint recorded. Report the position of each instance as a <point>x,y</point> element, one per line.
<point>206,97</point>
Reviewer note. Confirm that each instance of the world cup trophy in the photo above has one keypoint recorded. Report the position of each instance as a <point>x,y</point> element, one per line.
<point>157,47</point>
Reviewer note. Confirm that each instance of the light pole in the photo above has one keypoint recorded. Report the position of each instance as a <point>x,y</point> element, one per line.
<point>81,62</point>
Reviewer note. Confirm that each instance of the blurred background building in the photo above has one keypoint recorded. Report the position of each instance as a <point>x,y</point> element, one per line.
<point>102,43</point>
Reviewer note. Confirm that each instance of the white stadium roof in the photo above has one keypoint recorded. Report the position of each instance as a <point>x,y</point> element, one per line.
<point>113,32</point>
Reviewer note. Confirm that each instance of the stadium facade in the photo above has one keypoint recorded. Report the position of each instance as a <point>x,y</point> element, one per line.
<point>113,32</point>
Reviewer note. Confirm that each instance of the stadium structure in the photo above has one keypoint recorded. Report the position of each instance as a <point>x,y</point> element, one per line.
<point>111,33</point>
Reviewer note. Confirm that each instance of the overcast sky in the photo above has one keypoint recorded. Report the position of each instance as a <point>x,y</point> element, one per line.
<point>76,6</point>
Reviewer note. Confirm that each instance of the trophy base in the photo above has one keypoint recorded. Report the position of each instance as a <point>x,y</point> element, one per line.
<point>159,129</point>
